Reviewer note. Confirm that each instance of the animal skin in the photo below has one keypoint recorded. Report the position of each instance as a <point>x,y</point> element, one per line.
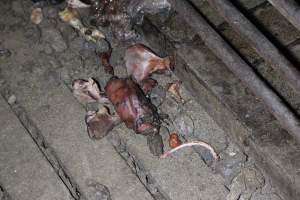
<point>132,106</point>
<point>141,62</point>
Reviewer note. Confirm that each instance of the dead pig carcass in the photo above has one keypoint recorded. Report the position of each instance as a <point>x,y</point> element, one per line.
<point>127,96</point>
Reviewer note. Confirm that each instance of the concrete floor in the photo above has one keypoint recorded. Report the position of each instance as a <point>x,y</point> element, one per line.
<point>45,151</point>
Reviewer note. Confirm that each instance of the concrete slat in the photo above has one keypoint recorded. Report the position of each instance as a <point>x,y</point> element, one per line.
<point>60,119</point>
<point>24,171</point>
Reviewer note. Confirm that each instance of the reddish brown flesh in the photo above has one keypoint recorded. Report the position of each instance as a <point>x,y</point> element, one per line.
<point>141,62</point>
<point>100,124</point>
<point>148,84</point>
<point>104,58</point>
<point>131,105</point>
<point>174,140</point>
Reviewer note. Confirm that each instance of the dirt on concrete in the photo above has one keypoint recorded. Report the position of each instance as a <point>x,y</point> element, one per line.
<point>37,65</point>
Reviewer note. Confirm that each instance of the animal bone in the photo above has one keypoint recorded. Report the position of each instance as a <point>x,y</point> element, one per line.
<point>71,16</point>
<point>141,62</point>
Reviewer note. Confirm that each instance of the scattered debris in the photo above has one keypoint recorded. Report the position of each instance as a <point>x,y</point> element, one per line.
<point>100,123</point>
<point>231,163</point>
<point>245,184</point>
<point>194,143</point>
<point>71,16</point>
<point>36,16</point>
<point>174,140</point>
<point>128,98</point>
<point>104,58</point>
<point>12,100</point>
<point>50,12</point>
<point>141,62</point>
<point>113,12</point>
<point>173,88</point>
<point>87,91</point>
<point>77,4</point>
<point>121,15</point>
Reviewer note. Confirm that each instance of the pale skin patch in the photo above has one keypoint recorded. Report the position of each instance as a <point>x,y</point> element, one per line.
<point>141,62</point>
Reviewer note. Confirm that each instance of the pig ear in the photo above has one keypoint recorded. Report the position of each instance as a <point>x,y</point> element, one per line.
<point>141,62</point>
<point>86,91</point>
<point>99,124</point>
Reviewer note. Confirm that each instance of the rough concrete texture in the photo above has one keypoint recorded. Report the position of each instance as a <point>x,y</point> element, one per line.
<point>184,175</point>
<point>62,124</point>
<point>24,171</point>
<point>38,85</point>
<point>235,109</point>
<point>276,25</point>
<point>268,17</point>
<point>261,66</point>
<point>294,50</point>
<point>36,71</point>
<point>246,4</point>
<point>181,176</point>
<point>208,11</point>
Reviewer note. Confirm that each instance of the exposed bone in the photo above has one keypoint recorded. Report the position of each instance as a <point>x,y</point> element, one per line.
<point>174,89</point>
<point>100,123</point>
<point>87,91</point>
<point>141,62</point>
<point>71,16</point>
<point>194,143</point>
<point>77,4</point>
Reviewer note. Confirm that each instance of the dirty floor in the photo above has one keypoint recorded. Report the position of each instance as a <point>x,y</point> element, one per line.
<point>45,151</point>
